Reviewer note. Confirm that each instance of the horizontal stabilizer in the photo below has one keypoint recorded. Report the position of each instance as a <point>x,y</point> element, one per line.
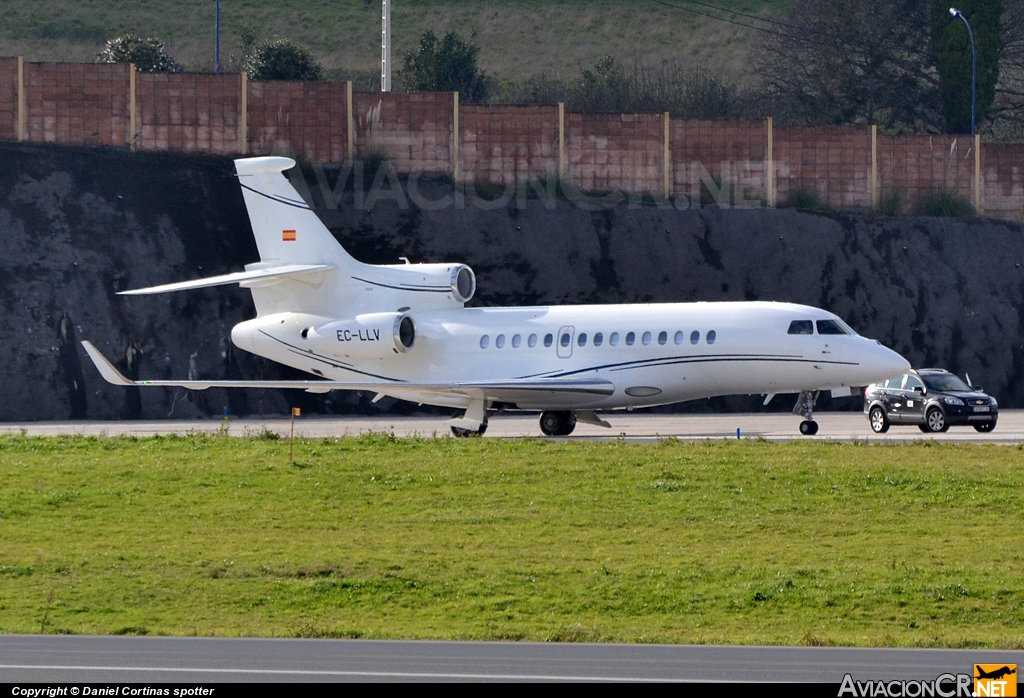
<point>237,277</point>
<point>493,389</point>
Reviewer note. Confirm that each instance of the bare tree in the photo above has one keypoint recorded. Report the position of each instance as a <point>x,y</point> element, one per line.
<point>1007,112</point>
<point>853,61</point>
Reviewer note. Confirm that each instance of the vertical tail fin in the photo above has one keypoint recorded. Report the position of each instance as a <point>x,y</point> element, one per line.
<point>286,229</point>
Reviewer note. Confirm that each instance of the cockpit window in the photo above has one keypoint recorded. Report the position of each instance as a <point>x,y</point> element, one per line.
<point>801,327</point>
<point>832,327</point>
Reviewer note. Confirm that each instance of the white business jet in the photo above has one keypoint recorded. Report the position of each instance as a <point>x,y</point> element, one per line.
<point>403,331</point>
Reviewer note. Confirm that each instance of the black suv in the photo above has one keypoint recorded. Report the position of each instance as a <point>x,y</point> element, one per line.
<point>931,398</point>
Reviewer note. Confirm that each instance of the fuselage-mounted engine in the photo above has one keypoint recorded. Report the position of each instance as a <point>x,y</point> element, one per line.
<point>366,336</point>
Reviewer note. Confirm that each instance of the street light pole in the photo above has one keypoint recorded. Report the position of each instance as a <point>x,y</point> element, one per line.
<point>216,31</point>
<point>953,12</point>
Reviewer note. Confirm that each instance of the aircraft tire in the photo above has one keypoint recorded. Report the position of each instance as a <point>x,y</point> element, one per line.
<point>460,433</point>
<point>985,427</point>
<point>808,427</point>
<point>557,422</point>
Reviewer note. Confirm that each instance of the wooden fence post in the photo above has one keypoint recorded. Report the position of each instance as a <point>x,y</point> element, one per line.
<point>561,141</point>
<point>21,99</point>
<point>131,107</point>
<point>769,177</point>
<point>456,137</point>
<point>666,156</point>
<point>350,124</point>
<point>243,117</point>
<point>977,173</point>
<point>874,166</point>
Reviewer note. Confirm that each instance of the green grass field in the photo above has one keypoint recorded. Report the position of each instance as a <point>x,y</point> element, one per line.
<point>516,39</point>
<point>724,542</point>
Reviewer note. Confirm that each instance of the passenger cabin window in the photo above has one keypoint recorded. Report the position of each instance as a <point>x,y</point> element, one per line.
<point>582,339</point>
<point>532,341</point>
<point>549,340</point>
<point>712,336</point>
<point>598,339</point>
<point>516,341</point>
<point>801,327</point>
<point>565,339</point>
<point>662,337</point>
<point>680,336</point>
<point>499,341</point>
<point>694,337</point>
<point>630,338</point>
<point>646,338</point>
<point>830,327</point>
<point>484,341</point>
<point>614,339</point>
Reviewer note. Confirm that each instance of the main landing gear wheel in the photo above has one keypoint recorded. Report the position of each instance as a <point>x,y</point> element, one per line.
<point>557,422</point>
<point>460,433</point>
<point>985,427</point>
<point>935,420</point>
<point>808,427</point>
<point>879,422</point>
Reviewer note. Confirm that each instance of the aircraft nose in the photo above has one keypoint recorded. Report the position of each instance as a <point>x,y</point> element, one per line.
<point>885,363</point>
<point>871,362</point>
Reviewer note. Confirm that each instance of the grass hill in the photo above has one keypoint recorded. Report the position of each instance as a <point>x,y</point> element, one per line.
<point>517,38</point>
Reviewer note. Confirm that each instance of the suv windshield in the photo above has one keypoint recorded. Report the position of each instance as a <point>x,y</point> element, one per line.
<point>945,383</point>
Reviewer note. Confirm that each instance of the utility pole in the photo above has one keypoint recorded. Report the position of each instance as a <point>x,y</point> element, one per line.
<point>385,47</point>
<point>216,48</point>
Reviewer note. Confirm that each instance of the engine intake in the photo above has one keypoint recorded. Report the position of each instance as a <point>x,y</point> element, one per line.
<point>463,283</point>
<point>367,336</point>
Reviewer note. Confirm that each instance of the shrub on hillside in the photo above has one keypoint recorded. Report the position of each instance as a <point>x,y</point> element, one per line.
<point>890,204</point>
<point>946,203</point>
<point>147,54</point>
<point>805,199</point>
<point>447,65</point>
<point>636,87</point>
<point>282,59</point>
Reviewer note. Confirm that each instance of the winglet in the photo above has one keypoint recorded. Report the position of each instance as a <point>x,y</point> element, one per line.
<point>106,369</point>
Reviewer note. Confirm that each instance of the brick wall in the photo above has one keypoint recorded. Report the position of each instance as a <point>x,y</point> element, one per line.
<point>8,98</point>
<point>728,156</point>
<point>608,152</point>
<point>413,129</point>
<point>88,104</point>
<point>505,145</point>
<point>309,119</point>
<point>1002,167</point>
<point>916,166</point>
<point>188,112</point>
<point>835,162</point>
<point>80,103</point>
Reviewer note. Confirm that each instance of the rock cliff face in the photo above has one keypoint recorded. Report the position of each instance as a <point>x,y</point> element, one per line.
<point>77,225</point>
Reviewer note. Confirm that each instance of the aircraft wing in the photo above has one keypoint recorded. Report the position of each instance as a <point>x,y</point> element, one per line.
<point>509,390</point>
<point>238,277</point>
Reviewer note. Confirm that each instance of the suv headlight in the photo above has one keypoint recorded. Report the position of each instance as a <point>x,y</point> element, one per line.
<point>952,401</point>
<point>994,403</point>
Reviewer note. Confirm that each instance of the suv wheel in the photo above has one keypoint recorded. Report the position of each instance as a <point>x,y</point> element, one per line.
<point>879,422</point>
<point>935,420</point>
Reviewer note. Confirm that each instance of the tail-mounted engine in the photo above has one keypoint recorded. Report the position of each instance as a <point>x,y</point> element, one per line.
<point>420,285</point>
<point>367,336</point>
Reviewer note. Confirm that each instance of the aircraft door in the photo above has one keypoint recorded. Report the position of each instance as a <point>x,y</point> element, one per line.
<point>564,341</point>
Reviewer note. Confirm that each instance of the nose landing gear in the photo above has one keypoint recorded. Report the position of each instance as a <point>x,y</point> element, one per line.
<point>805,408</point>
